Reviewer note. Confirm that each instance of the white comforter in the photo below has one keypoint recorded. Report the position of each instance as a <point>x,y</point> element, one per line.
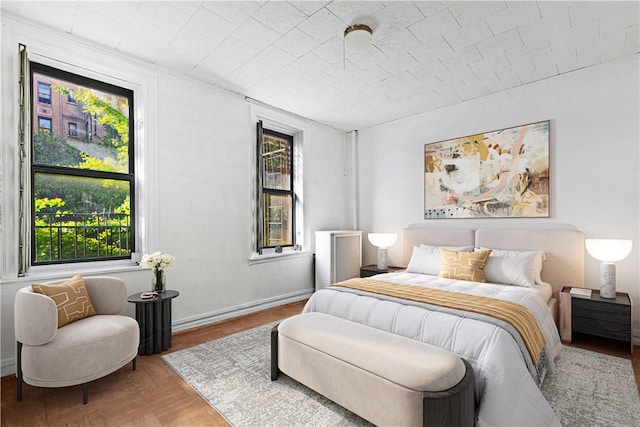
<point>505,390</point>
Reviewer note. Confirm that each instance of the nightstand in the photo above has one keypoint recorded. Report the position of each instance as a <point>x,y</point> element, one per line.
<point>154,317</point>
<point>372,270</point>
<point>602,317</point>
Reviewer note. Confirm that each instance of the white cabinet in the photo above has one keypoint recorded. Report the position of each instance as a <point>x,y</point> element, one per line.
<point>338,256</point>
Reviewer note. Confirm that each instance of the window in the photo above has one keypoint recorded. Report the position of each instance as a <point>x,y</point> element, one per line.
<point>277,189</point>
<point>44,123</point>
<point>279,185</point>
<point>82,204</point>
<point>44,93</point>
<point>73,129</point>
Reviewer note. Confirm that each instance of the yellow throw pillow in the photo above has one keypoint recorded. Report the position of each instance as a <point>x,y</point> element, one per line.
<point>71,298</point>
<point>463,265</point>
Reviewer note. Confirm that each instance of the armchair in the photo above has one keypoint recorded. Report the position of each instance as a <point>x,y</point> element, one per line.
<point>79,352</point>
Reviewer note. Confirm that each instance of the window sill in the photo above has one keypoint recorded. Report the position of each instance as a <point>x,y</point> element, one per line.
<point>272,256</point>
<point>91,268</point>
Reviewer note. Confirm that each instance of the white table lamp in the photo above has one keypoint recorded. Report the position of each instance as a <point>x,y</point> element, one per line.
<point>382,241</point>
<point>608,251</point>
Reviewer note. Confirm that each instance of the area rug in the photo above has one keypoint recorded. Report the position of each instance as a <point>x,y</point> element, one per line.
<point>233,375</point>
<point>593,389</point>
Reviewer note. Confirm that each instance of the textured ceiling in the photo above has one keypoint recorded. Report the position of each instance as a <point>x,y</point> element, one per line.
<point>425,54</point>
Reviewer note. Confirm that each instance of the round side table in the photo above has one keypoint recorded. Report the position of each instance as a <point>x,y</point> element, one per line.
<point>154,318</point>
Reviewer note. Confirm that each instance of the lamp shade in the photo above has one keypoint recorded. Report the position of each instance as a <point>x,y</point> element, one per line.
<point>382,240</point>
<point>608,250</point>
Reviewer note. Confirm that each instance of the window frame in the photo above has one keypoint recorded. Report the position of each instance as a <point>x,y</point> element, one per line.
<point>44,100</point>
<point>267,130</point>
<point>73,134</point>
<point>130,177</point>
<point>299,129</point>
<point>50,128</point>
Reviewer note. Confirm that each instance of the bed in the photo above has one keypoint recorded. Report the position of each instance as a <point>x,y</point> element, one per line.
<point>507,378</point>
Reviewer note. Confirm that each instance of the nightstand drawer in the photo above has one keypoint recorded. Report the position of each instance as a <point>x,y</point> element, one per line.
<point>607,329</point>
<point>600,310</point>
<point>601,319</point>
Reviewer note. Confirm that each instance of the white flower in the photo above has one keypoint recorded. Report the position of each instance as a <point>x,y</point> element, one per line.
<point>158,261</point>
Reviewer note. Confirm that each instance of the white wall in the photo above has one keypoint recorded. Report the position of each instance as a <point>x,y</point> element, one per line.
<point>197,180</point>
<point>595,137</point>
<point>198,144</point>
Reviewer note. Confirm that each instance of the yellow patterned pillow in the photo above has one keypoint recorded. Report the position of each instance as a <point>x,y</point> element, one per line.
<point>71,298</point>
<point>463,265</point>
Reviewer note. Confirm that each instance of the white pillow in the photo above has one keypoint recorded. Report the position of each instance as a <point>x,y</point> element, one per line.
<point>425,259</point>
<point>520,268</point>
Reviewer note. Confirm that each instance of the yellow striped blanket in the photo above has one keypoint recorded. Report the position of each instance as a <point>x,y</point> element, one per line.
<point>515,314</point>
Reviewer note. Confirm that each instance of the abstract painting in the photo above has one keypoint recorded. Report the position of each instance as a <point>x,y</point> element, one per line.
<point>497,174</point>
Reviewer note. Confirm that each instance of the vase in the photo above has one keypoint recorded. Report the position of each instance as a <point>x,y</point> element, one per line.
<point>158,281</point>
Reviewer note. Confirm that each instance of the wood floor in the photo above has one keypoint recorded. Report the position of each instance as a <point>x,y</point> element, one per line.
<point>154,395</point>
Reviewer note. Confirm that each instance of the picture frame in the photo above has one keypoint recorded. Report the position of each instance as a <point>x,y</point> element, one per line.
<point>497,174</point>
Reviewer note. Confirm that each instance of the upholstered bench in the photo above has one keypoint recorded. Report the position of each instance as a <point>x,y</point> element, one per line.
<point>386,379</point>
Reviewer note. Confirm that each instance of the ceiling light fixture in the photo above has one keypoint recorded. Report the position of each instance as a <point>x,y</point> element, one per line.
<point>356,37</point>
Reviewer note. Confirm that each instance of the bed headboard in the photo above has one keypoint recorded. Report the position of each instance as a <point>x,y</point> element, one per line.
<point>564,248</point>
<point>434,236</point>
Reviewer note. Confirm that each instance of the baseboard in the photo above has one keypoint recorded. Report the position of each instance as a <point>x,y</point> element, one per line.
<point>9,364</point>
<point>240,310</point>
